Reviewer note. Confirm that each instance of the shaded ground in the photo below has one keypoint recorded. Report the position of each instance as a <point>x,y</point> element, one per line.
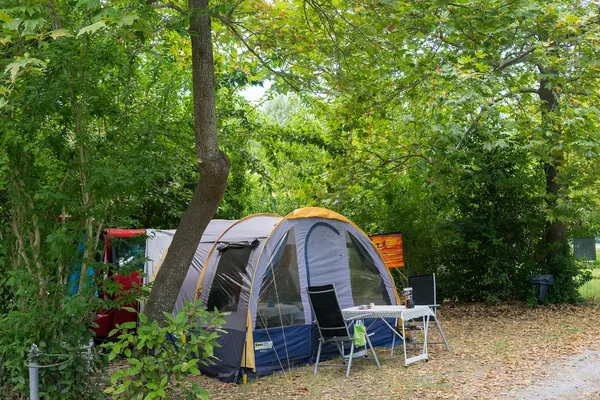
<point>496,351</point>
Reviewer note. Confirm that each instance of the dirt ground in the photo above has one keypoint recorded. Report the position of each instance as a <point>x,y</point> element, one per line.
<point>508,351</point>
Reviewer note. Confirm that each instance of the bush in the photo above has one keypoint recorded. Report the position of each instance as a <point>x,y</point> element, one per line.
<point>569,276</point>
<point>61,327</point>
<point>477,218</point>
<point>159,359</point>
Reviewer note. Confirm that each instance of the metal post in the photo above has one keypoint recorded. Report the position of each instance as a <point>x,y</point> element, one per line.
<point>34,389</point>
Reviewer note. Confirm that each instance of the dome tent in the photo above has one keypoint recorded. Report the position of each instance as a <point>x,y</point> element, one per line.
<point>258,269</point>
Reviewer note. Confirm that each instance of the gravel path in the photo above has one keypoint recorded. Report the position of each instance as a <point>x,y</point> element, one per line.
<point>578,377</point>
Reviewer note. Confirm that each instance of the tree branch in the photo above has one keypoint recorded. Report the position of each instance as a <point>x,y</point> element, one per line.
<point>536,91</point>
<point>576,78</point>
<point>515,60</point>
<point>264,63</point>
<point>486,107</point>
<point>168,5</point>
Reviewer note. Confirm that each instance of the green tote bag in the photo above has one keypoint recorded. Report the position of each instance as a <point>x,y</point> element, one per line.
<point>360,334</point>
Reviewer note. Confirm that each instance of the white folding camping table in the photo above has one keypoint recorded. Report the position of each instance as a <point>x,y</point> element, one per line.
<point>396,312</point>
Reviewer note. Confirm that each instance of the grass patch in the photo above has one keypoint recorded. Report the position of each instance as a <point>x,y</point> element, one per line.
<point>591,290</point>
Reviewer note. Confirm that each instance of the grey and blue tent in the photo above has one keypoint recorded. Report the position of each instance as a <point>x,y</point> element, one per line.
<point>258,268</point>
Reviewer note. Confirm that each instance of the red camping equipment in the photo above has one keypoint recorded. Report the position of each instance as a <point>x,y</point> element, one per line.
<point>121,252</point>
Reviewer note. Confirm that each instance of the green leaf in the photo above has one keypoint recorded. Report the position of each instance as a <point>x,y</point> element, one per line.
<point>30,25</point>
<point>130,19</point>
<point>169,317</point>
<point>89,4</point>
<point>13,70</point>
<point>143,318</point>
<point>181,317</point>
<point>92,28</point>
<point>121,388</point>
<point>151,395</point>
<point>4,17</point>
<point>57,33</point>
<point>128,325</point>
<point>482,67</point>
<point>209,349</point>
<point>14,24</point>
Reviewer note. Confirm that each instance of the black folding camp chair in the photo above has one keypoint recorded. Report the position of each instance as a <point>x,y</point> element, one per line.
<point>424,294</point>
<point>334,328</point>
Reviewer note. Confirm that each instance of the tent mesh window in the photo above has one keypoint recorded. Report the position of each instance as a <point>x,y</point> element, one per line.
<point>365,279</point>
<point>227,284</point>
<point>279,300</point>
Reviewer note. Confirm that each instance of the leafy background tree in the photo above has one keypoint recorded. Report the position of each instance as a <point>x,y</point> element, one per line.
<point>471,127</point>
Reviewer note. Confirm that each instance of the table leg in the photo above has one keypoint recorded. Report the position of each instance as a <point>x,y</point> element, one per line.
<point>392,328</point>
<point>394,331</point>
<point>425,353</point>
<point>404,344</point>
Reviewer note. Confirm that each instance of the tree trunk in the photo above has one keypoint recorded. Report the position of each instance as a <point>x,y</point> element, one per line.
<point>556,231</point>
<point>213,164</point>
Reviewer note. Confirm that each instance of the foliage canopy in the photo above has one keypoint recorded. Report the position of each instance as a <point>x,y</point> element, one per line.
<point>471,127</point>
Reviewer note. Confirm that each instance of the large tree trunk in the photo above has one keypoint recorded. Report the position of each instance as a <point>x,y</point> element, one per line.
<point>556,231</point>
<point>214,169</point>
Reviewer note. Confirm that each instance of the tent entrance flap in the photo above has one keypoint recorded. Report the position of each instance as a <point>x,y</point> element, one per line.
<point>227,284</point>
<point>280,299</point>
<point>366,280</point>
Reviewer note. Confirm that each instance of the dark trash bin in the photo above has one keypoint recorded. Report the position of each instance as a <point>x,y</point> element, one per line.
<point>543,283</point>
